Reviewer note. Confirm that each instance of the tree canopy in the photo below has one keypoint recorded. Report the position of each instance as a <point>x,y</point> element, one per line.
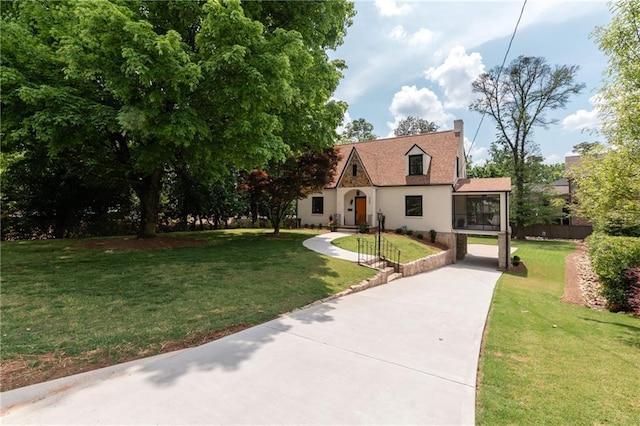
<point>357,131</point>
<point>518,99</point>
<point>414,126</point>
<point>608,177</point>
<point>137,86</point>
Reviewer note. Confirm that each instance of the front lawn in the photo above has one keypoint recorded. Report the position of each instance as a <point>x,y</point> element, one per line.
<point>547,362</point>
<point>66,304</point>
<point>410,249</point>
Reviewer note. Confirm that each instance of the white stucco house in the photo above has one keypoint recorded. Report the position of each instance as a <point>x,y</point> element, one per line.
<point>418,182</point>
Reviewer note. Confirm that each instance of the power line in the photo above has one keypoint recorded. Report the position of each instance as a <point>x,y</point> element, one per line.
<point>504,60</point>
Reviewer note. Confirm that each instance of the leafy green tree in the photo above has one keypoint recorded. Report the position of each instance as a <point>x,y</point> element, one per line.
<point>608,178</point>
<point>357,131</point>
<point>518,98</point>
<point>586,148</point>
<point>414,126</point>
<point>188,194</point>
<point>149,80</point>
<point>283,183</point>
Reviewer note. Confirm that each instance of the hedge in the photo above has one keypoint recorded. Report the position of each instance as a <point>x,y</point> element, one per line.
<point>611,256</point>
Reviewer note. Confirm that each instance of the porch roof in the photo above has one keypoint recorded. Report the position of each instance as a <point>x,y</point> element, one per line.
<point>502,184</point>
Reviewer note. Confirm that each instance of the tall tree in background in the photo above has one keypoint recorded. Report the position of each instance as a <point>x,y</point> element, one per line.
<point>283,183</point>
<point>608,180</point>
<point>414,126</point>
<point>518,98</point>
<point>357,131</point>
<point>146,80</point>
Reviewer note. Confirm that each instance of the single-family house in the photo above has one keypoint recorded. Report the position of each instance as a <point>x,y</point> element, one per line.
<point>415,182</point>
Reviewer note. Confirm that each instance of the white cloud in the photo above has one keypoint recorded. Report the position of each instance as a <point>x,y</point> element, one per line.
<point>421,37</point>
<point>345,120</point>
<point>398,33</point>
<point>582,119</point>
<point>391,8</point>
<point>455,76</point>
<point>421,103</point>
<point>477,153</point>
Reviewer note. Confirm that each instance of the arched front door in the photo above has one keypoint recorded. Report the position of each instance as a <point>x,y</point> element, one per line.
<point>361,210</point>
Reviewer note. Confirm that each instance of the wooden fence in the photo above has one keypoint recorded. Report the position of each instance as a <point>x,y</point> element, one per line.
<point>566,232</point>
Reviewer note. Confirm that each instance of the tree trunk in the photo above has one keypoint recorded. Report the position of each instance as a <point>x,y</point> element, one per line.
<point>149,194</point>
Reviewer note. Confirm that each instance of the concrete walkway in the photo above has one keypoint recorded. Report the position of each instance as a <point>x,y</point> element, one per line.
<point>402,353</point>
<point>322,244</point>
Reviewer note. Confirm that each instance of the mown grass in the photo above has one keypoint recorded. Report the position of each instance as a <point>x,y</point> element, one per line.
<point>60,298</point>
<point>411,249</point>
<point>547,362</point>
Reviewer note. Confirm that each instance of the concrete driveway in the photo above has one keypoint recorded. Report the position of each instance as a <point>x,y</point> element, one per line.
<point>402,353</point>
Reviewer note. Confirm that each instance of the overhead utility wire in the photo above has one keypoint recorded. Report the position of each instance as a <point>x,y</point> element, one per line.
<point>504,60</point>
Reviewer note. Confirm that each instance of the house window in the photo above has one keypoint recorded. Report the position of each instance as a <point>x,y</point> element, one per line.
<point>354,170</point>
<point>415,164</point>
<point>317,205</point>
<point>413,205</point>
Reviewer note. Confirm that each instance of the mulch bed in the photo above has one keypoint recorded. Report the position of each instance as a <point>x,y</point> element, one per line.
<point>582,287</point>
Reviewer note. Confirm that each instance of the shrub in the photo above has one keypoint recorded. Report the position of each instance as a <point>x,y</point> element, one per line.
<point>633,295</point>
<point>419,236</point>
<point>409,232</point>
<point>399,231</point>
<point>364,229</point>
<point>611,256</point>
<point>319,226</point>
<point>515,261</point>
<point>432,235</point>
<point>313,226</point>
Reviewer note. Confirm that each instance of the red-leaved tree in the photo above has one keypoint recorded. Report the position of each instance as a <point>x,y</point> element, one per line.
<point>282,183</point>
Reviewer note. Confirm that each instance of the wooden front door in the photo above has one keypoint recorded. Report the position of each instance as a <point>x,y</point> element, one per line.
<point>361,210</point>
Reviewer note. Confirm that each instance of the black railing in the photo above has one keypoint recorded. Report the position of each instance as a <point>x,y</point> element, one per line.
<point>378,253</point>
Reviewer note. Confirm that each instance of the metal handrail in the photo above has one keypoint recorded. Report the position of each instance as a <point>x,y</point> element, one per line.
<point>378,254</point>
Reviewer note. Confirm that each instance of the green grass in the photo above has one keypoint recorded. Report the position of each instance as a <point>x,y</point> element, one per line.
<point>410,249</point>
<point>59,298</point>
<point>547,362</point>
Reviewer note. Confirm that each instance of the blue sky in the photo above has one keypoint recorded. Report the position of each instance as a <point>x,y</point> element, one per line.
<point>420,57</point>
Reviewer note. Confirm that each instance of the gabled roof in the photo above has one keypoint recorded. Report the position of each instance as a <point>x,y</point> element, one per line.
<point>385,159</point>
<point>342,170</point>
<point>502,184</point>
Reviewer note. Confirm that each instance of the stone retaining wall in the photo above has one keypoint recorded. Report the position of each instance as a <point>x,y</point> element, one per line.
<point>425,264</point>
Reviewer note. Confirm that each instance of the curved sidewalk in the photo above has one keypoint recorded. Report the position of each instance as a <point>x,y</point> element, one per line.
<point>322,244</point>
<point>403,353</point>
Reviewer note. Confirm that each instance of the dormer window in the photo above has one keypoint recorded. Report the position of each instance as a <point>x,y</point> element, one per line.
<point>417,161</point>
<point>415,165</point>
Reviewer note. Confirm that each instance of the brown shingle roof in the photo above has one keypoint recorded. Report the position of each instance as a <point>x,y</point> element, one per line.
<point>385,160</point>
<point>484,185</point>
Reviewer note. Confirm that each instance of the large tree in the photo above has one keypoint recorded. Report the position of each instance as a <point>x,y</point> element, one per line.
<point>358,130</point>
<point>414,126</point>
<point>608,178</point>
<point>283,183</point>
<point>518,98</point>
<point>146,80</point>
